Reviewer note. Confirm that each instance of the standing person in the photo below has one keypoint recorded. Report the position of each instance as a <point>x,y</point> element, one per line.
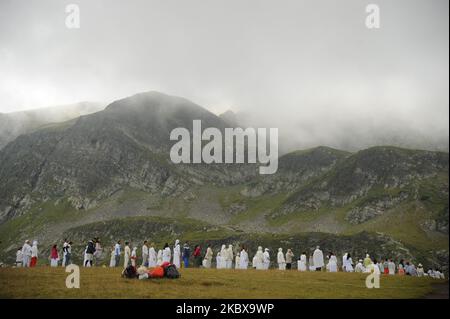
<point>218,260</point>
<point>208,257</point>
<point>223,258</point>
<point>133,257</point>
<point>258,260</point>
<point>186,254</point>
<point>243,259</point>
<point>229,257</point>
<point>26,253</point>
<point>34,254</point>
<point>159,257</point>
<point>391,267</point>
<point>167,254</point>
<point>311,263</point>
<point>126,255</point>
<point>19,257</point>
<point>98,251</point>
<point>68,253</point>
<point>420,271</point>
<point>281,260</point>
<point>117,254</point>
<point>145,254</point>
<point>344,262</point>
<point>198,256</point>
<point>90,250</point>
<point>64,252</point>
<point>349,264</point>
<point>318,259</point>
<point>152,260</point>
<point>177,254</point>
<point>386,267</point>
<point>332,263</point>
<point>237,261</point>
<point>289,258</point>
<point>112,260</point>
<point>266,260</point>
<point>367,261</point>
<point>301,266</point>
<point>54,256</point>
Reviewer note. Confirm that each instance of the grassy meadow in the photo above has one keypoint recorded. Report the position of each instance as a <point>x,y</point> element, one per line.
<point>100,282</point>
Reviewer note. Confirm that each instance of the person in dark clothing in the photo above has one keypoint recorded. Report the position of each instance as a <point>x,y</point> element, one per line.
<point>186,254</point>
<point>197,256</point>
<point>90,250</point>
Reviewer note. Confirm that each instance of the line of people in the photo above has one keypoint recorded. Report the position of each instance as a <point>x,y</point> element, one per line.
<point>180,256</point>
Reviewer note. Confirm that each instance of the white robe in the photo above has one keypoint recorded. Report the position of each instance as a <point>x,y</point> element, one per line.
<point>159,258</point>
<point>126,256</point>
<point>281,260</point>
<point>359,268</point>
<point>112,261</point>
<point>208,258</point>
<point>144,254</point>
<point>391,267</point>
<point>167,254</point>
<point>318,258</point>
<point>218,261</point>
<point>229,258</point>
<point>237,261</point>
<point>176,255</point>
<point>266,260</point>
<point>348,265</point>
<point>302,263</point>
<point>332,264</point>
<point>222,258</point>
<point>243,260</point>
<point>152,257</point>
<point>259,260</point>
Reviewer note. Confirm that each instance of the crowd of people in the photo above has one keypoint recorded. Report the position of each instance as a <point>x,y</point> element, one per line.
<point>226,258</point>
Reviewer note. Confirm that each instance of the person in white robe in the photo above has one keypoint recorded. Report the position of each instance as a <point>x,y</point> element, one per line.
<point>159,258</point>
<point>420,271</point>
<point>266,259</point>
<point>19,257</point>
<point>243,259</point>
<point>223,256</point>
<point>152,259</point>
<point>360,267</point>
<point>318,259</point>
<point>344,261</point>
<point>126,255</point>
<point>26,253</point>
<point>258,261</point>
<point>145,254</point>
<point>64,253</point>
<point>133,257</point>
<point>237,262</point>
<point>349,263</point>
<point>391,267</point>
<point>219,260</point>
<point>311,264</point>
<point>301,264</point>
<point>177,254</point>
<point>281,260</point>
<point>167,254</point>
<point>332,263</point>
<point>208,257</point>
<point>112,261</point>
<point>229,257</point>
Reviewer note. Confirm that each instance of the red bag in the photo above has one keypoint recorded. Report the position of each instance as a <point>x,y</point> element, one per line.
<point>157,272</point>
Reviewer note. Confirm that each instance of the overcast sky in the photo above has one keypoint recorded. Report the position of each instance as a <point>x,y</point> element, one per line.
<point>311,67</point>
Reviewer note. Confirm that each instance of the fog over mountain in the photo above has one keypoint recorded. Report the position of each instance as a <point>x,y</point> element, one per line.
<point>310,68</point>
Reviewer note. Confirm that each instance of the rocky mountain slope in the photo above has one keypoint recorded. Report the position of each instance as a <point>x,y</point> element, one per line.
<point>17,123</point>
<point>109,174</point>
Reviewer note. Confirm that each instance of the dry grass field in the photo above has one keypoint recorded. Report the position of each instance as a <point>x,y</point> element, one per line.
<point>46,282</point>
